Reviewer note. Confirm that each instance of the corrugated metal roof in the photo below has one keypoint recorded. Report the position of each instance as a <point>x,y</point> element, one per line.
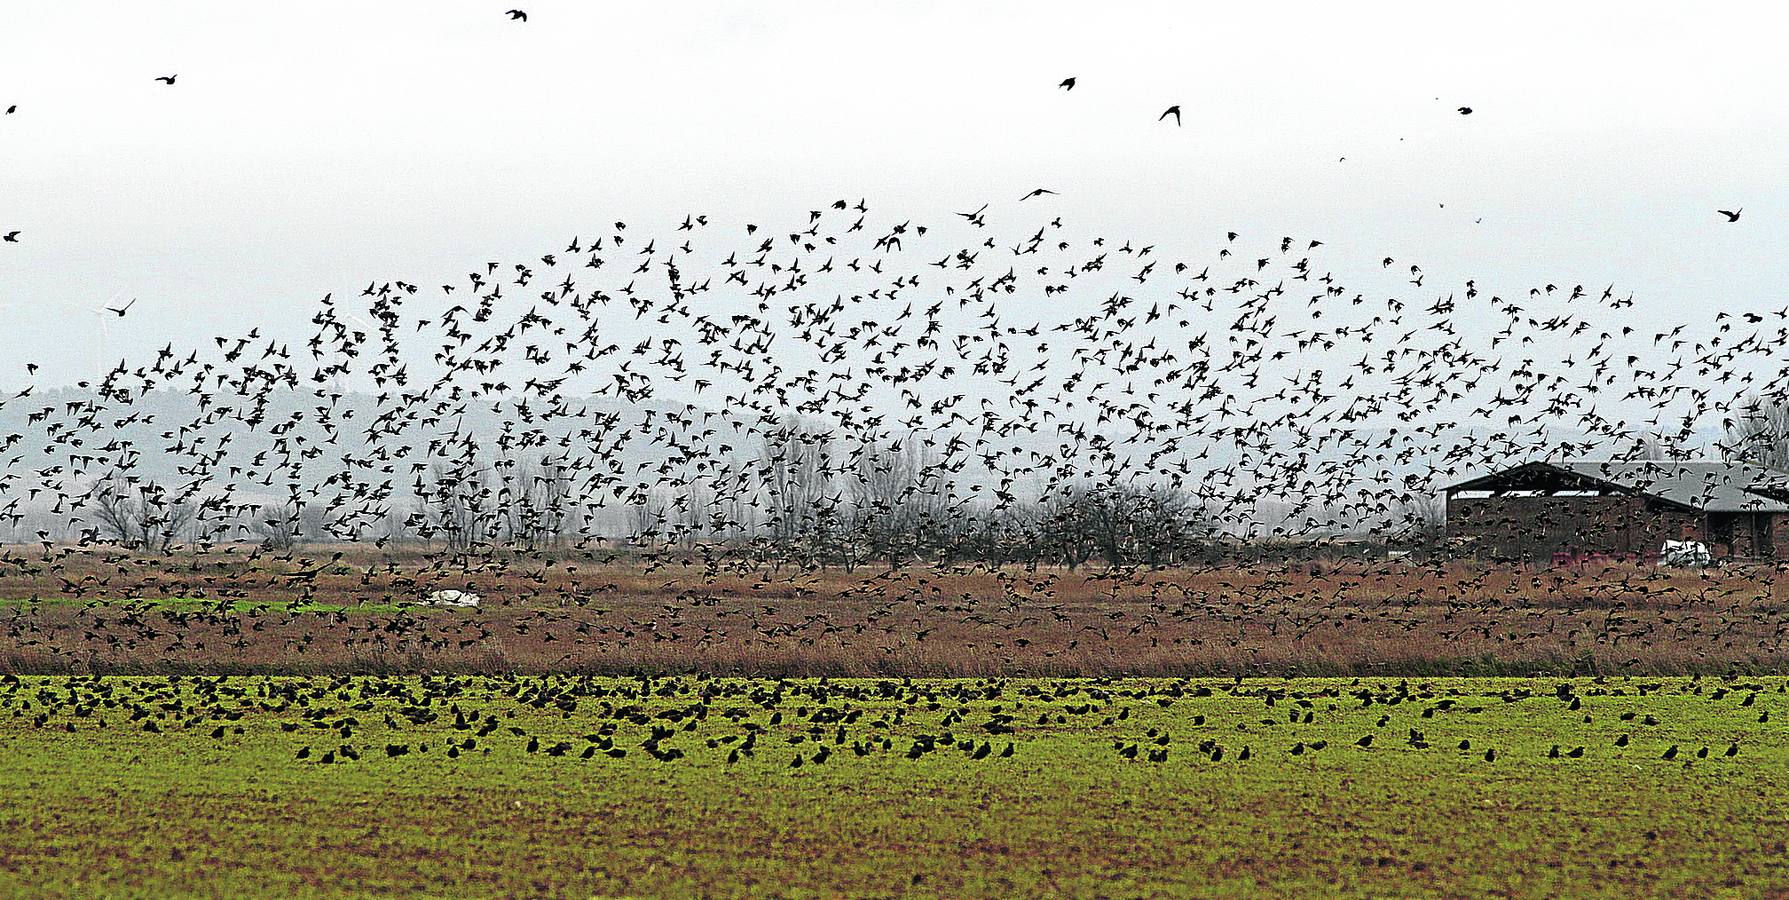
<point>1710,486</point>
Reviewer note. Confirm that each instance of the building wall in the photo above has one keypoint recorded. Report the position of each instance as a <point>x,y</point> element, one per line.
<point>1522,526</point>
<point>1756,535</point>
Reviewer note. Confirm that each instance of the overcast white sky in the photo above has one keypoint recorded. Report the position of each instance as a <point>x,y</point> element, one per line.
<point>313,147</point>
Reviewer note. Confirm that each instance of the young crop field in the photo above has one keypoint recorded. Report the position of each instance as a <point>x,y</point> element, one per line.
<point>960,787</point>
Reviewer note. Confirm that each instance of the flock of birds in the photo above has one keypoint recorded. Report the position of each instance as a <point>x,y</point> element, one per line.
<point>882,402</point>
<point>801,723</point>
<point>1016,364</point>
<point>846,388</point>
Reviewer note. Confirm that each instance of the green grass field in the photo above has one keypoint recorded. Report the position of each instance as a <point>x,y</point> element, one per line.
<point>1255,786</point>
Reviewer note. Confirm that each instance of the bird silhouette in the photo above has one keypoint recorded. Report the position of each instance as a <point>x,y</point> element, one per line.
<point>843,434</point>
<point>1173,111</point>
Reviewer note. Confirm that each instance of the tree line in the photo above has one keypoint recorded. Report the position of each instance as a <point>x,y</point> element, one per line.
<point>808,496</point>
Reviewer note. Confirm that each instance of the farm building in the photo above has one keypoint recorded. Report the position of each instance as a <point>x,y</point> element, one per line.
<point>1623,509</point>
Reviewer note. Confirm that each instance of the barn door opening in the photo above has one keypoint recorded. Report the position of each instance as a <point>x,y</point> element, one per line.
<point>1720,532</point>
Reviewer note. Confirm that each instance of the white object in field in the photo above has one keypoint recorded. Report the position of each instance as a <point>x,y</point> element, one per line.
<point>453,598</point>
<point>1691,554</point>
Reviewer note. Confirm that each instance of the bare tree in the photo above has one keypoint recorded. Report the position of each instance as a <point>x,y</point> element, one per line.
<point>280,528</point>
<point>115,511</point>
<point>648,520</point>
<point>695,510</point>
<point>1419,517</point>
<point>457,504</point>
<point>893,499</point>
<point>140,515</point>
<point>1759,433</point>
<point>165,516</point>
<point>554,501</point>
<point>1062,527</point>
<point>796,471</point>
<point>1123,524</point>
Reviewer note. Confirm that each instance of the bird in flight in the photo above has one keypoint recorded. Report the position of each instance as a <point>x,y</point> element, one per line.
<point>169,79</point>
<point>11,237</point>
<point>1172,110</point>
<point>15,107</point>
<point>517,15</point>
<point>1465,110</point>
<point>1037,192</point>
<point>1732,215</point>
<point>1068,84</point>
<point>121,310</point>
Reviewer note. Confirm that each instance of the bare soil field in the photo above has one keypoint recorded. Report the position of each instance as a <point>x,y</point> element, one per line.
<point>348,610</point>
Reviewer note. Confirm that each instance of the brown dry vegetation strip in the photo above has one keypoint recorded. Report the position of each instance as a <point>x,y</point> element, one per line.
<point>681,616</point>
